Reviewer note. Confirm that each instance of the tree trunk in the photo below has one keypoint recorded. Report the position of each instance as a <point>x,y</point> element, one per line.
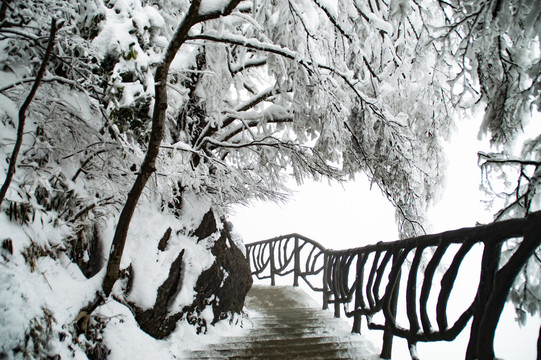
<point>24,107</point>
<point>148,167</point>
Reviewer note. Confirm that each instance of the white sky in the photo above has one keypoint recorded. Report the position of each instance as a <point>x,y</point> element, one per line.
<point>336,215</point>
<point>351,215</point>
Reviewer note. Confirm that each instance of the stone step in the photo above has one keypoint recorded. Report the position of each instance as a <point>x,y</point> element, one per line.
<point>283,353</point>
<point>277,323</point>
<point>292,345</point>
<point>257,342</point>
<point>295,315</point>
<point>284,323</point>
<point>298,333</point>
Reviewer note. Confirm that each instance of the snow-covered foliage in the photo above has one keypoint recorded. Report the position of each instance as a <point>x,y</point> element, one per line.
<point>316,88</point>
<point>43,289</point>
<point>496,51</point>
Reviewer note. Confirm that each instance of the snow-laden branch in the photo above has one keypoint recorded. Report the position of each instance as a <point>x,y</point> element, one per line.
<point>332,19</point>
<point>254,44</point>
<point>264,118</point>
<point>248,64</point>
<point>45,79</point>
<point>303,158</point>
<point>230,145</point>
<point>208,131</point>
<point>22,34</point>
<point>501,159</point>
<point>212,9</point>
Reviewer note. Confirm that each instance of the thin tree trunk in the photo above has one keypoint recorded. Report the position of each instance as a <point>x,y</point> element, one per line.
<point>3,9</point>
<point>22,112</point>
<point>148,167</point>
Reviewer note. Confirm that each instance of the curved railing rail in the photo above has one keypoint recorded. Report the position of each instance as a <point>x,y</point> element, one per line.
<point>366,281</point>
<point>282,255</point>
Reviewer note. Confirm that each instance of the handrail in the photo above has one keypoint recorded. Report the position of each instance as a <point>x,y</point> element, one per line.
<point>359,276</point>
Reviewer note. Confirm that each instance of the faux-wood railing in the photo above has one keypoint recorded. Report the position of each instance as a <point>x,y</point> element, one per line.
<point>368,279</point>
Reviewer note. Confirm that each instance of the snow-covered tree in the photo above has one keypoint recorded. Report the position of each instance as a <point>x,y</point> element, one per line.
<point>219,100</point>
<point>495,47</point>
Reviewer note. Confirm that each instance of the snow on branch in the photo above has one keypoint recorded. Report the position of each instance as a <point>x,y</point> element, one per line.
<point>44,80</point>
<point>504,159</point>
<point>304,159</point>
<point>228,119</point>
<point>211,9</point>
<point>254,44</point>
<point>246,125</point>
<point>248,64</point>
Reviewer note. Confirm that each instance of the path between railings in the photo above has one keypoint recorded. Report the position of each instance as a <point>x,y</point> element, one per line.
<point>367,281</point>
<point>285,323</point>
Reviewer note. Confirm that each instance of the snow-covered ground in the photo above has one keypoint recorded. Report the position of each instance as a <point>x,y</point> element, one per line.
<point>47,300</point>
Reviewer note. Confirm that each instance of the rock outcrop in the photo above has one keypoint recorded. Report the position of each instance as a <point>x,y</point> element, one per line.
<point>223,286</point>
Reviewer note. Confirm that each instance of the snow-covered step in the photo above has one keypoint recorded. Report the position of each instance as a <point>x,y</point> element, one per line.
<point>232,343</point>
<point>285,323</point>
<point>307,353</point>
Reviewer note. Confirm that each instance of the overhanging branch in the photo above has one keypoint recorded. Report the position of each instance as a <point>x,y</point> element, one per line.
<point>497,159</point>
<point>255,44</point>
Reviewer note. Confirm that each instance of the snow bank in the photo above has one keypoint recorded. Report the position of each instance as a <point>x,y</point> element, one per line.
<point>42,295</point>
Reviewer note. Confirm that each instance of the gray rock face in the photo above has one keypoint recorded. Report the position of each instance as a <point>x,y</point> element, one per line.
<point>223,286</point>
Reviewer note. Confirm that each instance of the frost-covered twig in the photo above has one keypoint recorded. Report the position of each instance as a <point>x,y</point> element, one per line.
<point>523,192</point>
<point>284,52</point>
<point>45,79</point>
<point>500,159</point>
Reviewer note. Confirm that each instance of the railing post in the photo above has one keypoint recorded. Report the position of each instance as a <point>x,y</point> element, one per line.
<point>489,266</point>
<point>335,285</point>
<point>296,263</point>
<point>504,281</point>
<point>272,266</point>
<point>336,307</point>
<point>387,346</point>
<point>358,294</point>
<point>325,285</point>
<point>248,249</point>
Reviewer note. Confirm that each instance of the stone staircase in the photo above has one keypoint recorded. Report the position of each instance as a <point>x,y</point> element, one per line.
<point>285,323</point>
